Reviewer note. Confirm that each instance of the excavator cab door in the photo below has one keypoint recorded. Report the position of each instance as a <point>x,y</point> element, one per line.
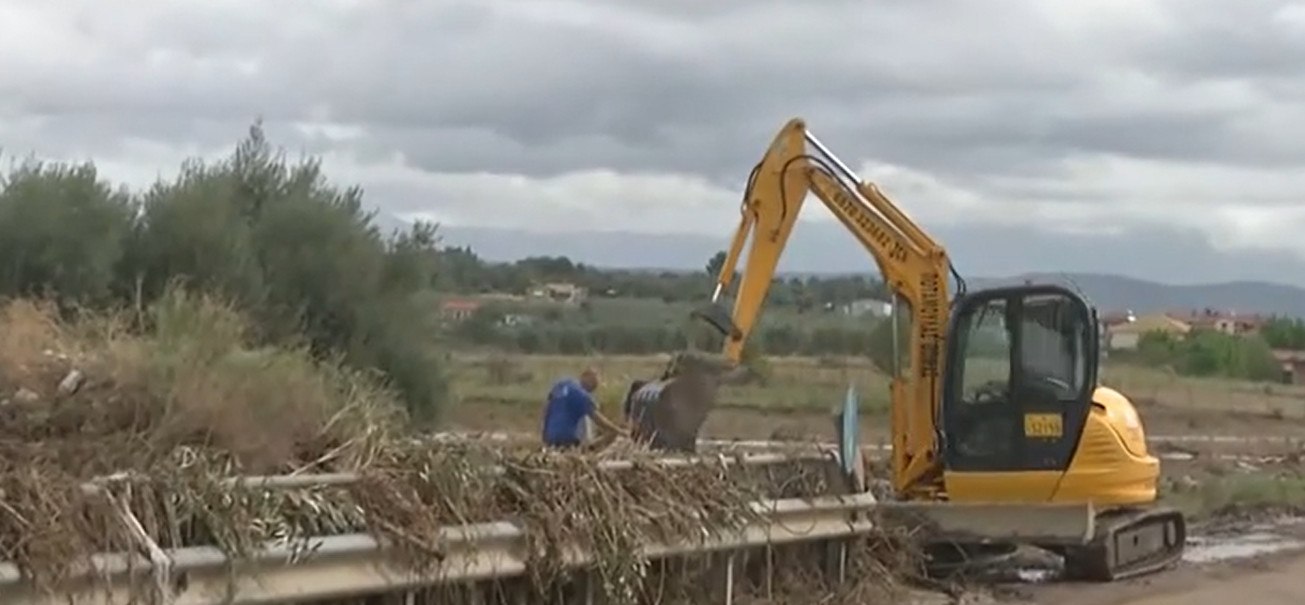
<point>1023,364</point>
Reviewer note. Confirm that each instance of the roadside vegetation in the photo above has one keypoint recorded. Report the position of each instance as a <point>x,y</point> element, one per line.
<point>1207,353</point>
<point>93,392</point>
<point>296,254</point>
<point>632,313</point>
<point>817,384</point>
<point>1229,494</point>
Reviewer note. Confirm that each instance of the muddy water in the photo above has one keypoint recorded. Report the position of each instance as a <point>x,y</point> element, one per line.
<point>1261,539</point>
<point>1210,550</point>
<point>1253,541</point>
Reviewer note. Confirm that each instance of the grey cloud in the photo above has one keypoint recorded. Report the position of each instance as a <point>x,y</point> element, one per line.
<point>1149,134</point>
<point>995,97</point>
<point>1216,39</point>
<point>471,150</point>
<point>683,86</point>
<point>539,84</point>
<point>81,137</point>
<point>911,101</point>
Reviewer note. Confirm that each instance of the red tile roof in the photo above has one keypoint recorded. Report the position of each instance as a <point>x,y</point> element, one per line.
<point>460,305</point>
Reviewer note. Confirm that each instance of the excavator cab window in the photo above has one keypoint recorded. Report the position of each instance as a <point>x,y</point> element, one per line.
<point>1023,367</point>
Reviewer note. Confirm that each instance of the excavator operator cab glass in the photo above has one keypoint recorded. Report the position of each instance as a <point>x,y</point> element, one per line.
<point>1023,368</point>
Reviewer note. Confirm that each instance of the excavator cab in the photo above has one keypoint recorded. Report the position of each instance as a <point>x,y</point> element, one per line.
<point>1022,367</point>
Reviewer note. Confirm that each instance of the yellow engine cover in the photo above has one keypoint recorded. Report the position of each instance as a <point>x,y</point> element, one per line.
<point>1110,466</point>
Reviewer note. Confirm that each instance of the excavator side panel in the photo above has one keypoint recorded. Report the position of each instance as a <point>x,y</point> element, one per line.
<point>1104,471</point>
<point>1111,465</point>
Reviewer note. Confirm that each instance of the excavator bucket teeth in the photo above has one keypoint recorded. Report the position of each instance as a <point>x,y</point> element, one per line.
<point>719,318</point>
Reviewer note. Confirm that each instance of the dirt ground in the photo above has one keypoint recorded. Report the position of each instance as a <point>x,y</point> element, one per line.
<point>1272,579</point>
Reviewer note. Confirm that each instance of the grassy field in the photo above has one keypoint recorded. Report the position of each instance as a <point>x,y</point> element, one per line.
<point>1215,494</point>
<point>506,393</point>
<point>810,384</point>
<point>651,312</point>
<point>656,312</point>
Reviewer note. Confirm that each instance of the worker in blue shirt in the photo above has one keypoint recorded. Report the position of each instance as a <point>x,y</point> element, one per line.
<point>570,401</point>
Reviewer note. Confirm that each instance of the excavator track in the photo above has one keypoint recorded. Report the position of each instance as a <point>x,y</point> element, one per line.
<point>1129,543</point>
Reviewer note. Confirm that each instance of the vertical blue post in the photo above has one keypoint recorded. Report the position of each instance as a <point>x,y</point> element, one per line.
<point>848,426</point>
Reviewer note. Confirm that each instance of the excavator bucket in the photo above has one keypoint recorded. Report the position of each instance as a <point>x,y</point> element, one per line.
<point>668,413</point>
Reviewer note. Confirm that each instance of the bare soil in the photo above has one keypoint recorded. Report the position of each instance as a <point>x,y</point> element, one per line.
<point>1272,579</point>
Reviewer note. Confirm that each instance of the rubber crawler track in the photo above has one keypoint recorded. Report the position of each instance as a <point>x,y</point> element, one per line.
<point>1108,558</point>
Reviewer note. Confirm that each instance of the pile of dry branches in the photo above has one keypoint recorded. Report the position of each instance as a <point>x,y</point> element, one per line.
<point>156,414</point>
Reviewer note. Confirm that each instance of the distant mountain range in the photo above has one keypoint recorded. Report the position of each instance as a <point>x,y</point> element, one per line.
<point>1118,293</point>
<point>824,249</point>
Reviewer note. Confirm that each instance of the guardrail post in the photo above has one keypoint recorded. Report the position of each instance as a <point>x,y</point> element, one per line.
<point>842,561</point>
<point>729,579</point>
<point>770,572</point>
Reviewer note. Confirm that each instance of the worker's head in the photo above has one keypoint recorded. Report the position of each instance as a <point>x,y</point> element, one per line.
<point>589,379</point>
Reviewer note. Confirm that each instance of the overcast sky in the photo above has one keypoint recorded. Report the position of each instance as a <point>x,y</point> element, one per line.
<point>1099,119</point>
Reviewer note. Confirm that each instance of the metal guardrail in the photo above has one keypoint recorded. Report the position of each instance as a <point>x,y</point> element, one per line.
<point>357,564</point>
<point>306,480</point>
<point>342,566</point>
<point>351,564</point>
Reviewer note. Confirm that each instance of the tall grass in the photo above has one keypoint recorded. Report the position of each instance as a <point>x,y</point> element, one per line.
<point>182,372</point>
<point>819,383</point>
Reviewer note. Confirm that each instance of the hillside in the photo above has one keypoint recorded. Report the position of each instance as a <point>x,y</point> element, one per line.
<point>689,252</point>
<point>1114,292</point>
<point>823,247</point>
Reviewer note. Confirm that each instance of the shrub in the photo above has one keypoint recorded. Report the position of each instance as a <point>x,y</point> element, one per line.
<point>113,390</point>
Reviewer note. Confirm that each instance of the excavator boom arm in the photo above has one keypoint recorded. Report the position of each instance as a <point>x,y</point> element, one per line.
<point>913,265</point>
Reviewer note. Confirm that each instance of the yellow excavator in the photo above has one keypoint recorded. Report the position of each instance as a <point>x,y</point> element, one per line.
<point>997,399</point>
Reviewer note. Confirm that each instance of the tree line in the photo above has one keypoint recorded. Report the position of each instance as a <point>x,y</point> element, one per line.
<point>463,271</point>
<point>1284,333</point>
<point>576,332</point>
<point>1205,352</point>
<point>1209,353</point>
<point>298,254</point>
<point>485,329</point>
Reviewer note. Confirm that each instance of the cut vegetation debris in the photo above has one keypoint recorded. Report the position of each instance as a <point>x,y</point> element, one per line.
<point>158,408</point>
